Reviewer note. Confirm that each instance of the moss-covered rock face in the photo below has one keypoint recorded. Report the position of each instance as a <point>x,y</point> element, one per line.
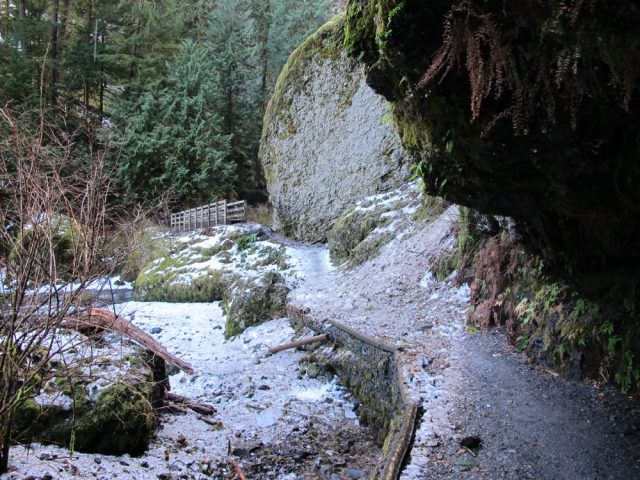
<point>564,163</point>
<point>327,138</point>
<point>537,119</point>
<point>362,231</point>
<point>546,316</point>
<point>250,301</point>
<point>105,412</point>
<point>200,268</point>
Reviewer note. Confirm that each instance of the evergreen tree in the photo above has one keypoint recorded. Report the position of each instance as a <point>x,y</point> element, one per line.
<point>234,55</point>
<point>293,21</point>
<point>169,137</point>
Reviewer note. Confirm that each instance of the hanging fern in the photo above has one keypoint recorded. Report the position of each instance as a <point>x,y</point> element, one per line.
<point>557,70</point>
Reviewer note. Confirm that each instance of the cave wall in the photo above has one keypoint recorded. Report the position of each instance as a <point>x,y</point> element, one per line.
<point>563,164</point>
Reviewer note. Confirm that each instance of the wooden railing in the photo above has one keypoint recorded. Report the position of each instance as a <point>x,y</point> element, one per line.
<point>219,213</point>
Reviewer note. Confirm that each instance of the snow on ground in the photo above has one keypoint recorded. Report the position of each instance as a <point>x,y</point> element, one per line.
<point>395,298</point>
<point>259,398</point>
<point>230,249</point>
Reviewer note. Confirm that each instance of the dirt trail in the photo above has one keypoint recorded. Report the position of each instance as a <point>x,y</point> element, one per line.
<point>532,425</point>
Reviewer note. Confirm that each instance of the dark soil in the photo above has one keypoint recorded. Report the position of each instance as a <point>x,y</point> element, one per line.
<point>533,425</point>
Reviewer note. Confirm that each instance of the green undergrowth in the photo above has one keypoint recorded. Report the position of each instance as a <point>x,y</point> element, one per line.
<point>554,322</point>
<point>141,248</point>
<point>468,240</point>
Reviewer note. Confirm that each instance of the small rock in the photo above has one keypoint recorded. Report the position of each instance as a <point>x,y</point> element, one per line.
<point>98,460</point>
<point>164,476</point>
<point>264,387</point>
<point>144,464</point>
<point>155,330</point>
<point>471,442</point>
<point>123,463</point>
<point>354,473</point>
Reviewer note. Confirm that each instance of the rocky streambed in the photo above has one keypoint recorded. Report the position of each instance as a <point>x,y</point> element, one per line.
<point>277,416</point>
<point>272,419</point>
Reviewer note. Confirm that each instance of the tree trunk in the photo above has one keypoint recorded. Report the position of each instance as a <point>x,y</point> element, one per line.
<point>53,94</point>
<point>5,423</point>
<point>4,451</point>
<point>88,23</point>
<point>264,52</point>
<point>6,17</point>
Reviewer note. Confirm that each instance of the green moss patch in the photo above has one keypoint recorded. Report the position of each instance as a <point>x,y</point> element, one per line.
<point>120,420</point>
<point>251,301</point>
<point>349,232</point>
<point>325,43</point>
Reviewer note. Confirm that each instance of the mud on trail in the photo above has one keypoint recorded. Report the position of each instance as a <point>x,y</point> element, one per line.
<point>488,413</point>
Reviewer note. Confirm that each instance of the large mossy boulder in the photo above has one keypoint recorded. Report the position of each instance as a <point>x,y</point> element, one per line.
<point>530,112</point>
<point>327,138</point>
<point>109,411</point>
<point>253,300</point>
<point>200,266</point>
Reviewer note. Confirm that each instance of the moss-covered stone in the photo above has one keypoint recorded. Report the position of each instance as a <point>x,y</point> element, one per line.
<point>540,152</point>
<point>160,287</point>
<point>350,231</point>
<point>325,43</point>
<point>119,420</point>
<point>254,300</point>
<point>368,373</point>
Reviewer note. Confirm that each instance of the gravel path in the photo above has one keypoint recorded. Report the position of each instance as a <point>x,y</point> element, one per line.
<point>531,425</point>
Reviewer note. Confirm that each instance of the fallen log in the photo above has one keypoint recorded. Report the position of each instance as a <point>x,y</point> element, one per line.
<point>197,407</point>
<point>299,343</point>
<point>97,320</point>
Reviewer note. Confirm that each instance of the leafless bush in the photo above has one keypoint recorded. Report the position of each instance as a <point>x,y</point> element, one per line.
<point>53,213</point>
